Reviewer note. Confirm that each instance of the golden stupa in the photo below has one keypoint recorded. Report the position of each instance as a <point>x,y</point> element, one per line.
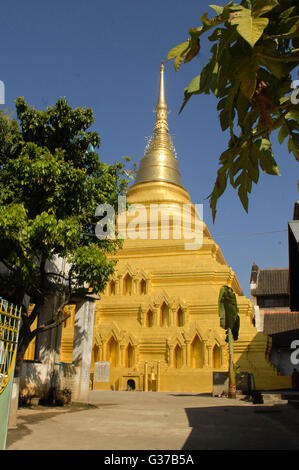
<point>157,323</point>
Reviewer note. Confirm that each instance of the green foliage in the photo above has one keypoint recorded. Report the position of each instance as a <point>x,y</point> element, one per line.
<point>238,374</point>
<point>230,322</point>
<point>253,56</point>
<point>51,181</point>
<point>228,311</point>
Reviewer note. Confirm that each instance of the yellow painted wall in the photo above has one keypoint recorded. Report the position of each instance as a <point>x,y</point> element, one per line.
<point>67,335</point>
<point>30,351</point>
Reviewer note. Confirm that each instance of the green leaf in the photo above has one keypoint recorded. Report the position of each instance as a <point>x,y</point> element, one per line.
<point>228,112</point>
<point>260,7</point>
<point>242,106</point>
<point>252,164</point>
<point>249,27</point>
<point>227,308</point>
<point>293,148</point>
<point>285,14</point>
<point>283,133</point>
<point>178,53</point>
<point>177,50</point>
<point>192,89</point>
<point>219,10</point>
<point>194,46</point>
<point>194,85</point>
<point>242,192</point>
<point>293,114</point>
<point>250,71</point>
<point>236,328</point>
<point>267,162</point>
<point>247,75</point>
<point>221,308</point>
<point>210,23</point>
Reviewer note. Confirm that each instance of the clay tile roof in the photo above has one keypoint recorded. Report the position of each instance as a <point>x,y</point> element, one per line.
<point>272,282</point>
<point>278,321</point>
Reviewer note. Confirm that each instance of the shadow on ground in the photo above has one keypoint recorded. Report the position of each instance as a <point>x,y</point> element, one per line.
<point>243,428</point>
<point>190,394</point>
<point>27,416</point>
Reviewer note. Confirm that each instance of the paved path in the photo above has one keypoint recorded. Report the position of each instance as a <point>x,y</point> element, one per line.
<point>156,421</point>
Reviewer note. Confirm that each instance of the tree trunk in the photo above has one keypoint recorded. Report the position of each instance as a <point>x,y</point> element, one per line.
<point>22,347</point>
<point>232,393</point>
<point>26,335</point>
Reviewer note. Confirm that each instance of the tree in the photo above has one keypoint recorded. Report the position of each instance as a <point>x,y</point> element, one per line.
<point>254,53</point>
<point>51,181</point>
<point>229,321</point>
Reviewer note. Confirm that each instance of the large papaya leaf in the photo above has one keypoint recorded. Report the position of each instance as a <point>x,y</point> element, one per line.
<point>249,26</point>
<point>227,307</point>
<point>255,51</point>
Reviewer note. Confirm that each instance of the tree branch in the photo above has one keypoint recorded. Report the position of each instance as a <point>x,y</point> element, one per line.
<point>57,274</point>
<point>278,59</point>
<point>58,317</point>
<point>49,326</point>
<point>11,268</point>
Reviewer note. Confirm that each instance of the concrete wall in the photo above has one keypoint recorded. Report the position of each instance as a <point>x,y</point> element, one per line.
<point>38,376</point>
<point>281,359</point>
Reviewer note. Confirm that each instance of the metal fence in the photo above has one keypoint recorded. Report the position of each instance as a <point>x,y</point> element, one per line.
<point>10,317</point>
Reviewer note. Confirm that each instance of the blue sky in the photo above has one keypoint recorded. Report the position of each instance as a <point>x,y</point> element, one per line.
<point>106,55</point>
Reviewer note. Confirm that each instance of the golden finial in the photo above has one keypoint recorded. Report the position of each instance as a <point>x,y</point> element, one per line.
<point>161,108</point>
<point>159,162</point>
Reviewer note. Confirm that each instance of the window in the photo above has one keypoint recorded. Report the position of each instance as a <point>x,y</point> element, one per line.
<point>111,288</point>
<point>142,287</point>
<point>149,319</point>
<point>112,351</point>
<point>129,355</point>
<point>127,284</point>
<point>216,357</point>
<point>180,317</point>
<point>178,357</point>
<point>196,353</point>
<point>164,315</point>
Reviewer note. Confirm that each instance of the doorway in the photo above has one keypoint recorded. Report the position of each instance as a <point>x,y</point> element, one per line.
<point>131,384</point>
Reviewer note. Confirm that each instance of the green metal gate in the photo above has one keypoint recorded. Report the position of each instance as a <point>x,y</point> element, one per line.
<point>10,316</point>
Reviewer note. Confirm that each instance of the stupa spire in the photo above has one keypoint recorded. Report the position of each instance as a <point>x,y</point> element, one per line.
<point>161,108</point>
<point>159,162</point>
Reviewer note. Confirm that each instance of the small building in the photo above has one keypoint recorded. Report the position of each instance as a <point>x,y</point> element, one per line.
<point>293,233</point>
<point>274,293</point>
<point>269,290</point>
